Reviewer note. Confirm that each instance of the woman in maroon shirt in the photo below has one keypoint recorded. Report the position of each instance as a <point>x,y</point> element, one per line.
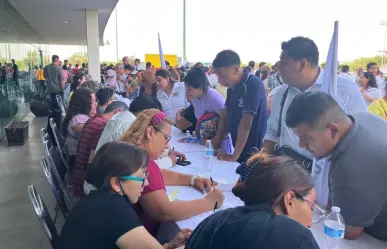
<point>151,131</point>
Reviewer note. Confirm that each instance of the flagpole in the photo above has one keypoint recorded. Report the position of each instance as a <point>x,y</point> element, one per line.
<point>184,31</point>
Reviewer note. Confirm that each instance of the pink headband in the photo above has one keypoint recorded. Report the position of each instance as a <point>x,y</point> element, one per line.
<point>157,118</point>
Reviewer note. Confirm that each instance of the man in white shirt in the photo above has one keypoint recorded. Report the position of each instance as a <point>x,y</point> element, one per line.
<point>359,72</point>
<point>345,73</point>
<point>299,69</point>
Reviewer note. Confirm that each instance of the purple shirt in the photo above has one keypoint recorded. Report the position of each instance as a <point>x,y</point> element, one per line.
<point>212,101</point>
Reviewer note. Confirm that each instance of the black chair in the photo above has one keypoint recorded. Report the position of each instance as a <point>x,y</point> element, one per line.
<point>55,157</point>
<point>44,216</point>
<point>61,104</point>
<point>58,189</point>
<point>60,142</point>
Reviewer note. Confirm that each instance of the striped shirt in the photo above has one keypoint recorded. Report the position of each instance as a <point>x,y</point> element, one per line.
<point>88,141</point>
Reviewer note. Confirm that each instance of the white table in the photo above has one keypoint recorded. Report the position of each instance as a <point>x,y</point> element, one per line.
<point>224,172</point>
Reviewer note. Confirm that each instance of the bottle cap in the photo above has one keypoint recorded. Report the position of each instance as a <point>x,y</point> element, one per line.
<point>336,209</point>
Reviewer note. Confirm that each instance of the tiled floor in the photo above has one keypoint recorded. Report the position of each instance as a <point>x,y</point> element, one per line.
<point>20,167</point>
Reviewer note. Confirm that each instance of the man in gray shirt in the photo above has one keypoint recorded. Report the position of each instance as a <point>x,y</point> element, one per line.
<point>54,76</point>
<point>55,85</point>
<point>356,145</point>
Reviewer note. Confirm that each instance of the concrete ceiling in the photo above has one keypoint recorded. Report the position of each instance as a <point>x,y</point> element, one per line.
<point>44,21</point>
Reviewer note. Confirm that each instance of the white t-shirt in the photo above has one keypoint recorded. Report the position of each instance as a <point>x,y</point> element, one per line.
<point>381,85</point>
<point>213,79</point>
<point>374,92</point>
<point>176,100</point>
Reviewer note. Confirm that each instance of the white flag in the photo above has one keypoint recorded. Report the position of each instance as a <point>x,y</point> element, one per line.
<point>320,170</point>
<point>161,53</point>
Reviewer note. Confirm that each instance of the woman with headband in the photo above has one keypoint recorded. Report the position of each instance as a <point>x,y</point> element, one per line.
<point>151,131</point>
<point>106,218</point>
<point>279,200</point>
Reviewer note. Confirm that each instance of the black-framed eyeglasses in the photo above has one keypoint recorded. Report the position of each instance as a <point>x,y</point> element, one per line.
<point>166,136</point>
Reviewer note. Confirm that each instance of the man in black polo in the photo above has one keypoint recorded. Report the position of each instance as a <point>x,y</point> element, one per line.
<point>356,145</point>
<point>15,74</point>
<point>246,112</point>
<point>55,84</point>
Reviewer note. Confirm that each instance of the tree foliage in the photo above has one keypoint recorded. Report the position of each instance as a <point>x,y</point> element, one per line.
<point>358,62</point>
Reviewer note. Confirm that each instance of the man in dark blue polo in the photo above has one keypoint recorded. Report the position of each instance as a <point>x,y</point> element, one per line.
<point>246,112</point>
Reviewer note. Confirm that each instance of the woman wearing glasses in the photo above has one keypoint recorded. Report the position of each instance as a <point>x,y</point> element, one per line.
<point>151,131</point>
<point>279,201</point>
<point>105,218</point>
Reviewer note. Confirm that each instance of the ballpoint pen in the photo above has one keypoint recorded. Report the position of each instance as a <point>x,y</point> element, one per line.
<point>216,203</point>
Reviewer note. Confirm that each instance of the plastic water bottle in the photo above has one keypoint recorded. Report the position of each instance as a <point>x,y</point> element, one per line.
<point>187,137</point>
<point>194,138</point>
<point>334,228</point>
<point>209,154</point>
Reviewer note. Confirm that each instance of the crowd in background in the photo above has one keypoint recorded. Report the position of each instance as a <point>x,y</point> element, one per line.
<point>275,122</point>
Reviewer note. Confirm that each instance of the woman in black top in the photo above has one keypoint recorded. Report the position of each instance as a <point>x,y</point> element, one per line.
<point>106,218</point>
<point>279,198</point>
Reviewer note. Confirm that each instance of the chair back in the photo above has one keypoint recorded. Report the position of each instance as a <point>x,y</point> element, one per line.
<point>59,141</point>
<point>57,162</point>
<point>61,195</point>
<point>61,104</point>
<point>44,216</point>
<point>47,146</point>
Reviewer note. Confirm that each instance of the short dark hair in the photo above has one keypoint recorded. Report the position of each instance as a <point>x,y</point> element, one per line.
<point>262,64</point>
<point>371,64</point>
<point>345,69</point>
<point>199,65</point>
<point>371,79</point>
<point>128,67</point>
<point>116,105</point>
<point>148,65</point>
<point>252,64</point>
<point>248,69</point>
<point>54,58</point>
<point>167,63</point>
<point>137,60</point>
<point>197,79</point>
<point>143,103</point>
<point>301,47</point>
<point>77,65</point>
<point>103,95</point>
<point>111,160</point>
<point>226,58</point>
<point>309,107</point>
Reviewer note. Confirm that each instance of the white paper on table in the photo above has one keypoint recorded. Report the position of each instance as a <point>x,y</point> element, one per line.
<point>225,187</point>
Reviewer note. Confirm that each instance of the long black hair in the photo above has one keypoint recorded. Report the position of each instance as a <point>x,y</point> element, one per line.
<point>80,103</point>
<point>371,79</point>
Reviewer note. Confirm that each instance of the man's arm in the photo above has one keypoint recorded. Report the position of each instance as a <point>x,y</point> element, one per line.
<point>61,78</point>
<point>222,129</point>
<point>243,133</point>
<point>270,139</point>
<point>356,216</point>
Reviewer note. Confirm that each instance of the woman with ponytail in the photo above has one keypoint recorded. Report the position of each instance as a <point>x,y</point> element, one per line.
<point>279,200</point>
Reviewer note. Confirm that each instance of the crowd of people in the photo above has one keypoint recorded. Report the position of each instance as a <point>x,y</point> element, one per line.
<point>275,122</point>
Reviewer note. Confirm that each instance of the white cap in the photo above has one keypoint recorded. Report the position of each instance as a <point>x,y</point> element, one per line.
<point>336,209</point>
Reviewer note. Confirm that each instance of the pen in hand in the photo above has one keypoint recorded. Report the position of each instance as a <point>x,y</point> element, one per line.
<point>216,203</point>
